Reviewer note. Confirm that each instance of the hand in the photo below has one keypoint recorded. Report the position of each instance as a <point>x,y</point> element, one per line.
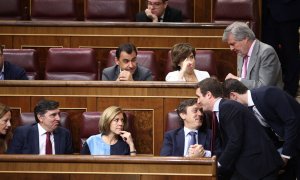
<point>196,150</point>
<point>151,16</point>
<point>231,76</point>
<point>125,76</point>
<point>185,64</point>
<point>126,136</point>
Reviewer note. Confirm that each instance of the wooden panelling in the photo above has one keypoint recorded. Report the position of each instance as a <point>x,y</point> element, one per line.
<point>75,167</point>
<point>149,102</point>
<point>103,37</point>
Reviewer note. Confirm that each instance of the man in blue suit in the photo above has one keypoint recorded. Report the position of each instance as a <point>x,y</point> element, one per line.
<point>10,71</point>
<point>177,142</point>
<point>276,111</point>
<point>33,139</point>
<point>246,149</point>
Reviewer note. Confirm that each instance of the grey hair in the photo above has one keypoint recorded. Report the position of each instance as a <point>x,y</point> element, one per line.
<point>239,30</point>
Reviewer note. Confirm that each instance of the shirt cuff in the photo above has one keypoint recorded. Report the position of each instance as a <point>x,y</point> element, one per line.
<point>284,156</point>
<point>207,153</point>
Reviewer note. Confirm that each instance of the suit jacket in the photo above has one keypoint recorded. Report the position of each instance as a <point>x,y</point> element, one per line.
<point>282,113</point>
<point>171,15</point>
<point>26,140</point>
<point>284,10</point>
<point>140,74</point>
<point>264,67</point>
<point>173,144</point>
<point>246,148</point>
<point>13,72</point>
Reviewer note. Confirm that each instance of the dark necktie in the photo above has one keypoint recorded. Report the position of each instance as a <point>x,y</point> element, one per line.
<point>48,143</point>
<point>193,138</point>
<point>214,128</point>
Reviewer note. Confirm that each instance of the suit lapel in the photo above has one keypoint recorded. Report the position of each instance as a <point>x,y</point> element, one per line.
<point>180,142</point>
<point>253,58</point>
<point>57,141</point>
<point>35,139</point>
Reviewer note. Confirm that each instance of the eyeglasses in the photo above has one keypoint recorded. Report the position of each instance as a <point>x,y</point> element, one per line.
<point>155,4</point>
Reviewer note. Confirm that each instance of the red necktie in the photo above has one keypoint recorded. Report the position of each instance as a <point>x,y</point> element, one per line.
<point>245,64</point>
<point>48,143</point>
<point>214,128</point>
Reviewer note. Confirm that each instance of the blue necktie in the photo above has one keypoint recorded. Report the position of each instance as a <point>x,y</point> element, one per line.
<point>193,138</point>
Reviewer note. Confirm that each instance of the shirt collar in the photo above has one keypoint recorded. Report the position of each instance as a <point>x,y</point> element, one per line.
<point>250,100</point>
<point>187,130</point>
<point>251,48</point>
<point>216,105</point>
<point>42,131</point>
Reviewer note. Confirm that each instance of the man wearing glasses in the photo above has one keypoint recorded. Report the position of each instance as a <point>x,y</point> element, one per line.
<point>159,11</point>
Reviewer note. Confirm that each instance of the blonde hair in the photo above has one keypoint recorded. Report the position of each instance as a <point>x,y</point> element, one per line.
<point>107,116</point>
<point>4,138</point>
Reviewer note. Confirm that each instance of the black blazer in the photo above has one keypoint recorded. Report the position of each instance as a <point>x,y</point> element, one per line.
<point>173,144</point>
<point>282,113</point>
<point>26,140</point>
<point>13,72</point>
<point>140,74</point>
<point>246,148</point>
<point>171,15</point>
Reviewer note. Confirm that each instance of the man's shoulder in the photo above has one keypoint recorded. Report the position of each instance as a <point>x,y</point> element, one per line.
<point>174,131</point>
<point>12,67</point>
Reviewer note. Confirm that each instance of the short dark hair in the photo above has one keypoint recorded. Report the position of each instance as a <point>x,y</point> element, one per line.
<point>180,52</point>
<point>212,85</point>
<point>43,106</point>
<point>182,109</point>
<point>233,85</point>
<point>127,47</point>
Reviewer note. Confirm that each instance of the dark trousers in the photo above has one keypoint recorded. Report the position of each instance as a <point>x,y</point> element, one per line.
<point>284,38</point>
<point>271,176</point>
<point>292,169</point>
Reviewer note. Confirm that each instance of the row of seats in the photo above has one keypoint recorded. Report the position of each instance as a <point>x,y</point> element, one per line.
<point>81,63</point>
<point>89,122</point>
<point>120,10</point>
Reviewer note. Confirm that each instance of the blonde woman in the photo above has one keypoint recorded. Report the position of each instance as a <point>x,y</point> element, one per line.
<point>5,134</point>
<point>112,140</point>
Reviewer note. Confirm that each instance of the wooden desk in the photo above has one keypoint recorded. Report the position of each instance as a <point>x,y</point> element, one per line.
<point>149,102</point>
<point>75,167</point>
<point>104,36</point>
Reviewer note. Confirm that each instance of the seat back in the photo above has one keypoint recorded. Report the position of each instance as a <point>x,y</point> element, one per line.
<point>228,11</point>
<point>172,122</point>
<point>25,58</point>
<point>27,118</point>
<point>204,61</point>
<point>10,10</point>
<point>71,64</point>
<point>53,10</point>
<point>186,8</point>
<point>144,58</point>
<point>90,121</point>
<point>108,10</point>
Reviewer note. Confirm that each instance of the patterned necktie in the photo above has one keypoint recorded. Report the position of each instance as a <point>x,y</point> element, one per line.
<point>245,64</point>
<point>48,143</point>
<point>193,138</point>
<point>1,76</point>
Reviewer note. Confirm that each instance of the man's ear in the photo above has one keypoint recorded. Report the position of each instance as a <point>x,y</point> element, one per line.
<point>182,116</point>
<point>233,96</point>
<point>116,61</point>
<point>39,117</point>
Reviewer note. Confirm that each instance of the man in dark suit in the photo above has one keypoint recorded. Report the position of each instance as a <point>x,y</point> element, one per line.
<point>10,71</point>
<point>177,142</point>
<point>126,68</point>
<point>276,111</point>
<point>280,29</point>
<point>43,137</point>
<point>247,151</point>
<point>257,63</point>
<point>159,11</point>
